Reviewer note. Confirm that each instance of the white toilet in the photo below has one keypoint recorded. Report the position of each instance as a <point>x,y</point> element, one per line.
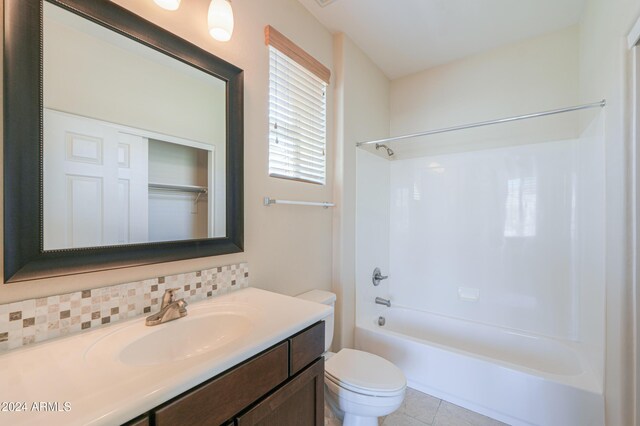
<point>359,386</point>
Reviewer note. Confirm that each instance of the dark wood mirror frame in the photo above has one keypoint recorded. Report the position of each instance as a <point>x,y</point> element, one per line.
<point>24,257</point>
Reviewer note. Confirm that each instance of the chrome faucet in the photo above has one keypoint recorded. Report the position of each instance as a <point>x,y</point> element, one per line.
<point>170,309</point>
<point>385,302</point>
<point>377,276</point>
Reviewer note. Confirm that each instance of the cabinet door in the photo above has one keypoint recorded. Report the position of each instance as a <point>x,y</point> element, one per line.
<point>299,402</point>
<point>222,398</point>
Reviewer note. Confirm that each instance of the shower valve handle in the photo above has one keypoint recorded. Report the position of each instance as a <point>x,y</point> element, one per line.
<point>377,277</point>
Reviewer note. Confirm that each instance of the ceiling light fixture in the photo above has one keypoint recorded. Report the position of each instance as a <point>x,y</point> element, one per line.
<point>168,4</point>
<point>220,20</point>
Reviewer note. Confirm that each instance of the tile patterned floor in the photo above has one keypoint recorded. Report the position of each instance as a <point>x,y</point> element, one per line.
<point>420,409</point>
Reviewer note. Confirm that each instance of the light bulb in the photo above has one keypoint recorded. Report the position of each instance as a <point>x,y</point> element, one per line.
<point>220,20</point>
<point>168,4</point>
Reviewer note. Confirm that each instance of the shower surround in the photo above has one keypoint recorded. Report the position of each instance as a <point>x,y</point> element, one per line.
<point>496,265</point>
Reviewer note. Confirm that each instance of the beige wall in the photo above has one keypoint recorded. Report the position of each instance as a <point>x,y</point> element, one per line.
<point>605,72</point>
<point>362,113</point>
<point>289,249</point>
<point>534,75</point>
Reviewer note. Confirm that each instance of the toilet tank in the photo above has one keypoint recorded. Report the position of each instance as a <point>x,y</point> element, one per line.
<point>326,298</point>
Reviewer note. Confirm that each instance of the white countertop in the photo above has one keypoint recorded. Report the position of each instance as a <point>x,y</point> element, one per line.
<point>84,370</point>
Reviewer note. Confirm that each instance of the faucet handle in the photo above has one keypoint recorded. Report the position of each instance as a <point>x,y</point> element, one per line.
<point>169,295</point>
<point>377,277</point>
<point>172,291</point>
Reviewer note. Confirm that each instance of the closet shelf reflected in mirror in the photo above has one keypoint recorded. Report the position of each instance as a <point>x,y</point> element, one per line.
<point>180,188</point>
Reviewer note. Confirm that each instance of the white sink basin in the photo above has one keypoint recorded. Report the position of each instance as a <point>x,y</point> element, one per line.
<point>187,337</point>
<point>184,338</point>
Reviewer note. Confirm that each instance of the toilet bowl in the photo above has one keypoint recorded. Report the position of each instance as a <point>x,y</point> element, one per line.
<point>359,386</point>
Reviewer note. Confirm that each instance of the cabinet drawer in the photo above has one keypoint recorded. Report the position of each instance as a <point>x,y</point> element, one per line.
<point>299,402</point>
<point>305,347</point>
<point>220,399</point>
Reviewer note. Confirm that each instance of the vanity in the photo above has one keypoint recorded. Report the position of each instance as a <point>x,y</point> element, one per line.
<point>250,357</point>
<point>286,381</point>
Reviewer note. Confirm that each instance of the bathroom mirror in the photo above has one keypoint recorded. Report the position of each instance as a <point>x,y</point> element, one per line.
<point>123,142</point>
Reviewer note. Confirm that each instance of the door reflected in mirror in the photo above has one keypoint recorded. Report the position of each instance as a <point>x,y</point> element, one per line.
<point>134,141</point>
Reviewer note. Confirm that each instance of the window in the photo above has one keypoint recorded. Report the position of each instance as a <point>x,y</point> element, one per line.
<point>297,112</point>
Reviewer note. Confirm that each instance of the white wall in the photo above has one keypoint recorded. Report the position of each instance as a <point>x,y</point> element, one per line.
<point>362,113</point>
<point>507,223</point>
<point>289,249</point>
<point>601,70</point>
<point>372,233</point>
<point>590,241</point>
<point>604,73</point>
<point>534,75</point>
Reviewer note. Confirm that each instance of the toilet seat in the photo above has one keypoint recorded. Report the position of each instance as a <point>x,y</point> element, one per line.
<point>349,399</point>
<point>364,374</point>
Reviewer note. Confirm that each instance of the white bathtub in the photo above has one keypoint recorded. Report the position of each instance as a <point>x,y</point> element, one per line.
<point>515,378</point>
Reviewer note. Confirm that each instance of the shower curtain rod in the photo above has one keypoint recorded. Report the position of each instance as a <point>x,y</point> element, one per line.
<point>600,104</point>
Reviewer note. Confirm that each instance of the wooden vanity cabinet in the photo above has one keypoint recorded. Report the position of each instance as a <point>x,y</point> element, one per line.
<point>281,386</point>
<point>299,402</point>
<point>216,401</point>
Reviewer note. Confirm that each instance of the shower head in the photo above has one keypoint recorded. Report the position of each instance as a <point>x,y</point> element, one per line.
<point>389,150</point>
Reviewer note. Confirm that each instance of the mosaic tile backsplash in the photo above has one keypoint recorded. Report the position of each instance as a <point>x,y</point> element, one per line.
<point>36,320</point>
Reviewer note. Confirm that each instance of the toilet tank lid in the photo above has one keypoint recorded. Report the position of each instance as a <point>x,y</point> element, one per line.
<point>319,296</point>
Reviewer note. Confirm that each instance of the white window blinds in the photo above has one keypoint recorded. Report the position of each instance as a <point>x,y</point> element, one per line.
<point>297,120</point>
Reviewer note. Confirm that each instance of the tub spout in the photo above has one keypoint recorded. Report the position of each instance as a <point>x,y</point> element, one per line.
<point>385,302</point>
